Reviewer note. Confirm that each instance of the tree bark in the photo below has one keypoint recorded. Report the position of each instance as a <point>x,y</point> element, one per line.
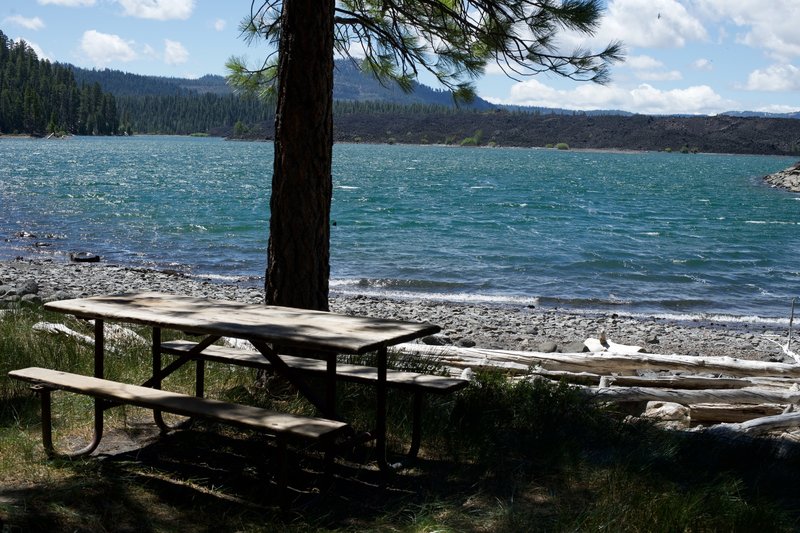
<point>298,256</point>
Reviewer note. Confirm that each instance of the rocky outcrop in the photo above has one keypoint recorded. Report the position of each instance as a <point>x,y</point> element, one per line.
<point>786,179</point>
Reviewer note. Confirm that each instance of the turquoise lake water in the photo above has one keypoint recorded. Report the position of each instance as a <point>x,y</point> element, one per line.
<point>654,233</point>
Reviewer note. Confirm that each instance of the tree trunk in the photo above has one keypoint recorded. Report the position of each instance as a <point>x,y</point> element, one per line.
<point>298,258</point>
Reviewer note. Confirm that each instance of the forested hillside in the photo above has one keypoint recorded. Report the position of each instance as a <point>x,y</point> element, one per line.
<point>127,84</point>
<point>184,114</point>
<point>38,97</point>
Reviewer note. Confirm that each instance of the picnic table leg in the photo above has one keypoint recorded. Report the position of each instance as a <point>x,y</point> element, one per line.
<point>380,416</point>
<point>47,416</point>
<point>156,380</point>
<point>330,377</point>
<point>416,429</point>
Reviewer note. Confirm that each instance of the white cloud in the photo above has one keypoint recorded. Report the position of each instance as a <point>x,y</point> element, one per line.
<point>158,9</point>
<point>103,48</point>
<point>650,23</point>
<point>67,3</point>
<point>174,53</point>
<point>149,51</point>
<point>34,23</point>
<point>702,64</point>
<point>663,75</point>
<point>772,28</point>
<point>643,62</point>
<point>779,77</point>
<point>778,108</point>
<point>642,99</point>
<point>650,69</point>
<point>220,24</point>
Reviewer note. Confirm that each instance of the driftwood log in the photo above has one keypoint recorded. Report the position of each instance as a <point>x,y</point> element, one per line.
<point>605,363</point>
<point>703,413</point>
<point>737,395</point>
<point>757,426</point>
<point>750,395</point>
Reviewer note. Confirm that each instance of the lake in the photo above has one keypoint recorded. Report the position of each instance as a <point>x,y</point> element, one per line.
<point>664,234</point>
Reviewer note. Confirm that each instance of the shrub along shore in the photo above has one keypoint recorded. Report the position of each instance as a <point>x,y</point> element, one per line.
<point>524,328</point>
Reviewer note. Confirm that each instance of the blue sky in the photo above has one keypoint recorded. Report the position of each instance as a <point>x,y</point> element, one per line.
<point>683,56</point>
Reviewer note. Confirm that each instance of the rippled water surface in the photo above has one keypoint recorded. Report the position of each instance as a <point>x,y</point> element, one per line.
<point>645,232</point>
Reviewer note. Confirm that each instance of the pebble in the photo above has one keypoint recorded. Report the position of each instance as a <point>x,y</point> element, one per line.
<point>468,325</point>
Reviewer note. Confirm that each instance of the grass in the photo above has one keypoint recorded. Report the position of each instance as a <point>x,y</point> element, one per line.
<point>497,456</point>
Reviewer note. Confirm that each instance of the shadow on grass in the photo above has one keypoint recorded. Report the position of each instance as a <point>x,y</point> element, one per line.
<point>198,480</point>
<point>208,481</point>
<point>500,457</point>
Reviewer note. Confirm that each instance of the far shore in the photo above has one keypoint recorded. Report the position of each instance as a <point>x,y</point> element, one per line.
<point>631,151</point>
<point>480,325</point>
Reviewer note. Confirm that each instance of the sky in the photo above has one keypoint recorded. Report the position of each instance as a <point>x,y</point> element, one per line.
<point>682,56</point>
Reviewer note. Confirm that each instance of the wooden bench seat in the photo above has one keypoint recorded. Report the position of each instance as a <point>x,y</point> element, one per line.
<point>345,372</point>
<point>414,382</point>
<point>281,426</point>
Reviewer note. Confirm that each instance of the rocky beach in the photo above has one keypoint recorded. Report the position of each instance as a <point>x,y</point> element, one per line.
<point>534,329</point>
<point>788,179</point>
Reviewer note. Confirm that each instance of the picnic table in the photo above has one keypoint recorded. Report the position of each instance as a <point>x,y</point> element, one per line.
<point>270,329</point>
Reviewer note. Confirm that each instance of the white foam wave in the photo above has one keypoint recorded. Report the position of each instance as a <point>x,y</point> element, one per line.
<point>713,317</point>
<point>773,222</point>
<point>220,277</point>
<point>348,287</point>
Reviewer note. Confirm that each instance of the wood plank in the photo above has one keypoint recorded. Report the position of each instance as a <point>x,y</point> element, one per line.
<point>300,328</point>
<point>235,414</point>
<point>347,372</point>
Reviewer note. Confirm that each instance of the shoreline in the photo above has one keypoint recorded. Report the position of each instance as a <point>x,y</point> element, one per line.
<point>481,325</point>
<point>787,179</point>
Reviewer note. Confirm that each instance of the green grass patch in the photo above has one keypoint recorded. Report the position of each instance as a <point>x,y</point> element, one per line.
<point>497,456</point>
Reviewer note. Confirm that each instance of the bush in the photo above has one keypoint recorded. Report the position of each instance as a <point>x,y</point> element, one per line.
<point>475,140</point>
<point>562,146</point>
<point>499,421</point>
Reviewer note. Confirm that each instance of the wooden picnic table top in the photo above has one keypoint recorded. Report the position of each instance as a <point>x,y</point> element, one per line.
<point>285,326</point>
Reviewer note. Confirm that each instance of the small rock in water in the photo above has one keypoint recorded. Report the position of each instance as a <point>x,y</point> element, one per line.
<point>84,257</point>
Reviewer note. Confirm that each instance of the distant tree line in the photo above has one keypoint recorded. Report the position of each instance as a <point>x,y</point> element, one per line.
<point>181,114</point>
<point>38,97</point>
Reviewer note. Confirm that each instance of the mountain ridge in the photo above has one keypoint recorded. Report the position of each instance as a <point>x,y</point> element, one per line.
<point>350,84</point>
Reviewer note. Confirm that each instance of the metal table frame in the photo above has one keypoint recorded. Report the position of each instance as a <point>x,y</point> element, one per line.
<point>266,327</point>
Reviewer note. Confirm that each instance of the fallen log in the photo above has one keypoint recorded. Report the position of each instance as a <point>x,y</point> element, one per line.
<point>701,413</point>
<point>757,426</point>
<point>605,363</point>
<point>61,329</point>
<point>750,395</point>
<point>679,382</point>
